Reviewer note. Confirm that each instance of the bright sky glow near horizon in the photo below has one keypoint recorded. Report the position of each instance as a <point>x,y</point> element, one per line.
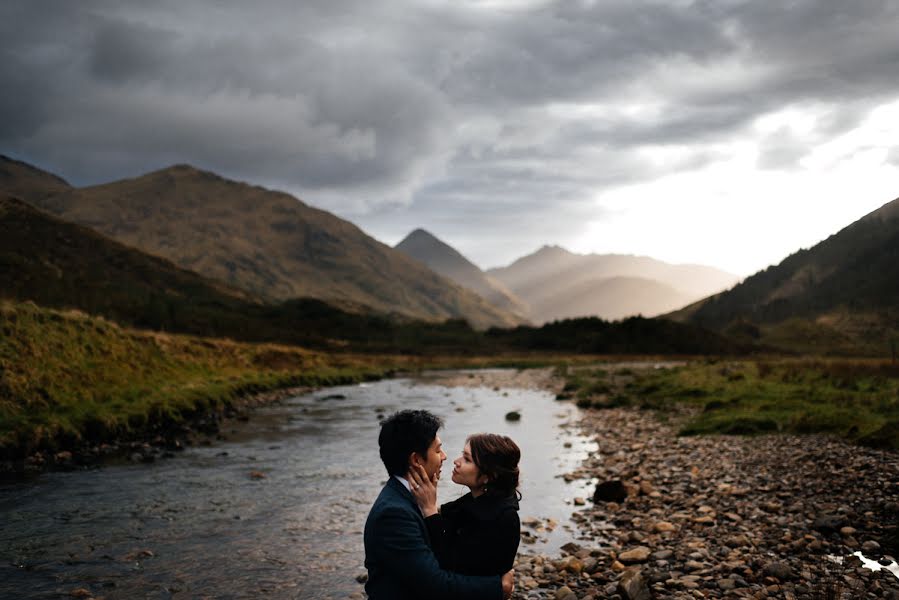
<point>727,133</point>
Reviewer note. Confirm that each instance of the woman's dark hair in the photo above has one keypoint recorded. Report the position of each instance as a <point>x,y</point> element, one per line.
<point>496,456</point>
<point>402,434</point>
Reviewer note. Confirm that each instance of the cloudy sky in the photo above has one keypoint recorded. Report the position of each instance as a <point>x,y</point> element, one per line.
<point>721,132</point>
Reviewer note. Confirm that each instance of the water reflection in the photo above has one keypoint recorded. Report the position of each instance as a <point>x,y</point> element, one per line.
<point>276,510</point>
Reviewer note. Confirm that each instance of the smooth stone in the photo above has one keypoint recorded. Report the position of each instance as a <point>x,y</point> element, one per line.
<point>632,586</point>
<point>640,554</point>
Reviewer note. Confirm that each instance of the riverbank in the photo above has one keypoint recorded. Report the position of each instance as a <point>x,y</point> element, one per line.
<point>76,388</point>
<point>718,516</point>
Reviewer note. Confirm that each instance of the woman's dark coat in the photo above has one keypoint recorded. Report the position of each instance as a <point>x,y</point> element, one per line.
<point>476,536</point>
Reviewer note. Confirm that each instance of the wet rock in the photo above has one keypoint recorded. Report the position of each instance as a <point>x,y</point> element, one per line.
<point>779,570</point>
<point>640,554</point>
<point>726,584</point>
<point>828,523</point>
<point>633,586</point>
<point>80,593</point>
<point>664,527</point>
<point>610,491</point>
<point>513,415</point>
<point>871,547</point>
<point>571,548</point>
<point>139,555</point>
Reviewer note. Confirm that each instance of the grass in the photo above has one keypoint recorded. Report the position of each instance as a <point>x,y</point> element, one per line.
<point>66,377</point>
<point>854,399</point>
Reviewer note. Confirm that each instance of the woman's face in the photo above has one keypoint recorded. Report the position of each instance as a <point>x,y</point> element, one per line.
<point>465,472</point>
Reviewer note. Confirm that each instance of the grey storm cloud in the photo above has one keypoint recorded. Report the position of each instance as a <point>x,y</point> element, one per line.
<point>432,108</point>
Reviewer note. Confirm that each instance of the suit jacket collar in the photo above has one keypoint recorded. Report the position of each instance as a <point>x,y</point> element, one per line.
<point>400,489</point>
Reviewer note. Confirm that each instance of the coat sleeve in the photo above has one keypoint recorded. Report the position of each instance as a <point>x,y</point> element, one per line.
<point>437,525</point>
<point>510,537</point>
<point>405,555</point>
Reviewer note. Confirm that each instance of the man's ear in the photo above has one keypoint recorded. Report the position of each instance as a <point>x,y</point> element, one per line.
<point>414,459</point>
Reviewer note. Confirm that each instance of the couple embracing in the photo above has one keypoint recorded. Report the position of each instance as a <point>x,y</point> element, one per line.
<point>464,549</point>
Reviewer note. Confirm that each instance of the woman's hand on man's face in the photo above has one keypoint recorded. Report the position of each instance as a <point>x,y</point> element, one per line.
<point>424,489</point>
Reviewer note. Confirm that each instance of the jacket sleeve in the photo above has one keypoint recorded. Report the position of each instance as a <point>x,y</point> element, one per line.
<point>437,525</point>
<point>510,537</point>
<point>405,555</point>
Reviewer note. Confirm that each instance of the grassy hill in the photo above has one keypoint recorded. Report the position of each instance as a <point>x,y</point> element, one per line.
<point>267,243</point>
<point>840,296</point>
<point>67,378</point>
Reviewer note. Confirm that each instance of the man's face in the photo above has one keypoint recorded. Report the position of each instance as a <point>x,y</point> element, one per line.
<point>433,460</point>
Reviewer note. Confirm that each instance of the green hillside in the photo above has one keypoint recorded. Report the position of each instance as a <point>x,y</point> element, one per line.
<point>840,296</point>
<point>67,378</point>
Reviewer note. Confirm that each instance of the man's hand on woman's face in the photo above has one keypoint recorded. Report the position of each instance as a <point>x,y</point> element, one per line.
<point>424,489</point>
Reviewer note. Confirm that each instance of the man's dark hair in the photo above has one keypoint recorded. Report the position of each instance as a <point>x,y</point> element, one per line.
<point>403,433</point>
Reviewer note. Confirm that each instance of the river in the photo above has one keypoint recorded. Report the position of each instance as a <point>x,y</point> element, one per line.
<point>276,509</point>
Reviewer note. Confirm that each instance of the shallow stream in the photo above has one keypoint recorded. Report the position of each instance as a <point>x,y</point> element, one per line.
<point>277,509</point>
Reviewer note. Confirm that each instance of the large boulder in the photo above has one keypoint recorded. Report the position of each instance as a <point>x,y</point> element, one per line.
<point>610,491</point>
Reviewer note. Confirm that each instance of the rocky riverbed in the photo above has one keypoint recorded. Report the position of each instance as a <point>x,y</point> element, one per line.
<point>773,516</point>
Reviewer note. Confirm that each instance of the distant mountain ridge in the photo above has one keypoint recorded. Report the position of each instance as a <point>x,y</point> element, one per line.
<point>447,261</point>
<point>28,182</point>
<point>845,288</point>
<point>265,242</point>
<point>556,283</point>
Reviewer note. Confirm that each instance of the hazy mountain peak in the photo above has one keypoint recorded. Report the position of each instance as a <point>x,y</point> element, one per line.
<point>557,283</point>
<point>426,247</point>
<point>449,262</point>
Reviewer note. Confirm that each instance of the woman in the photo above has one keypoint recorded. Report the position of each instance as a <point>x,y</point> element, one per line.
<point>477,534</point>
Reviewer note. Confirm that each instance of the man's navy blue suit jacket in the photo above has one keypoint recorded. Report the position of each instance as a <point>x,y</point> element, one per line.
<point>400,562</point>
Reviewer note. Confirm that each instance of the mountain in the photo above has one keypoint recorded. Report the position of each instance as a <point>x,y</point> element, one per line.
<point>267,243</point>
<point>556,283</point>
<point>28,182</point>
<point>62,265</point>
<point>610,297</point>
<point>447,261</point>
<point>841,295</point>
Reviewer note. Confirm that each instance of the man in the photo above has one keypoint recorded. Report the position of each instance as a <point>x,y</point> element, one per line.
<point>399,559</point>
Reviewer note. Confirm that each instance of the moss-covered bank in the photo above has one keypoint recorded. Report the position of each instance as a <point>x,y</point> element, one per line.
<point>68,378</point>
<point>854,399</point>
